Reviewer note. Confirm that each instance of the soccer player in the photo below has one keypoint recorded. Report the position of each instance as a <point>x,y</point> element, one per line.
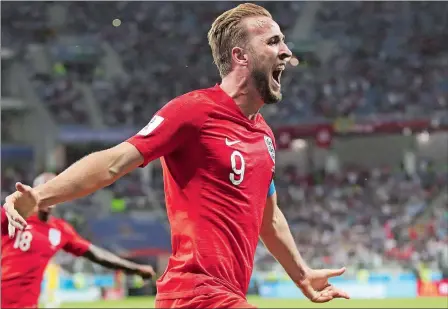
<point>26,255</point>
<point>218,158</point>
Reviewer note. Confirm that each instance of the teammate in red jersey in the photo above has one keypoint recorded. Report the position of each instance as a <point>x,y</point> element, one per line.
<point>218,158</point>
<point>26,255</point>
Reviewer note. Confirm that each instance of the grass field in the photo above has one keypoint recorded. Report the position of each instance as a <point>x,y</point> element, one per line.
<point>148,302</point>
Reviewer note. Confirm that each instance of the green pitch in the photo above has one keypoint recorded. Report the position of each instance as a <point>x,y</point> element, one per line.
<point>148,302</point>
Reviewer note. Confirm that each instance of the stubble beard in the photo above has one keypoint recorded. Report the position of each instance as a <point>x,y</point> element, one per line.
<point>262,84</point>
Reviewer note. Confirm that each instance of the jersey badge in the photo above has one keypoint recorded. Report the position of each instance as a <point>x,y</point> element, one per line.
<point>151,126</point>
<point>54,236</point>
<point>270,146</point>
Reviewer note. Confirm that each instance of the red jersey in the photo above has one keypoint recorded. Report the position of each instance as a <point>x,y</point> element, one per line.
<point>217,168</point>
<point>25,257</point>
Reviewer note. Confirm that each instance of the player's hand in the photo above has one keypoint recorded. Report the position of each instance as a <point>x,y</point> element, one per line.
<point>146,271</point>
<point>18,206</point>
<point>317,288</point>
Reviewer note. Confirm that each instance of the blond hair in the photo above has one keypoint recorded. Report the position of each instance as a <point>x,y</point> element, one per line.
<point>226,33</point>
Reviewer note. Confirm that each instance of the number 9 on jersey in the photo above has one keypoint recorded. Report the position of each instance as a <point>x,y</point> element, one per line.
<point>238,164</point>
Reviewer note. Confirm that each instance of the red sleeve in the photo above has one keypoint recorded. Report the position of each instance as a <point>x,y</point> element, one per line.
<point>75,245</point>
<point>4,218</point>
<point>173,125</point>
<point>4,222</point>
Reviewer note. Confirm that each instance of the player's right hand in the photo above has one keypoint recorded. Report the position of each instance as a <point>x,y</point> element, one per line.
<point>19,206</point>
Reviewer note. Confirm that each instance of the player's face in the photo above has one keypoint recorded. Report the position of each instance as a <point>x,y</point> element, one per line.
<point>268,57</point>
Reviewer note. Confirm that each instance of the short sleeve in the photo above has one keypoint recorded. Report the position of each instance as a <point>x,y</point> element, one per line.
<point>75,245</point>
<point>4,222</point>
<point>173,125</point>
<point>271,189</point>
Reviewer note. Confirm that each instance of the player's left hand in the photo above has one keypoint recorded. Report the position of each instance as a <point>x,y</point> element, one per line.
<point>317,288</point>
<point>146,271</point>
<point>18,206</point>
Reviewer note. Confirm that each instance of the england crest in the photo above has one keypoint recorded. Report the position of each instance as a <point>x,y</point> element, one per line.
<point>270,146</point>
<point>54,236</point>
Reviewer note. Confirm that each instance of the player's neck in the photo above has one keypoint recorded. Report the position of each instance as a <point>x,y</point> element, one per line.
<point>243,93</point>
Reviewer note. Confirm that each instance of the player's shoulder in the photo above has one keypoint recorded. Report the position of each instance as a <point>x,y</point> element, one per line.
<point>61,225</point>
<point>199,99</point>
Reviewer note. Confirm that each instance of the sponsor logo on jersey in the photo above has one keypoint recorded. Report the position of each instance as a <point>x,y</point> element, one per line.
<point>151,126</point>
<point>54,236</point>
<point>231,143</point>
<point>270,146</point>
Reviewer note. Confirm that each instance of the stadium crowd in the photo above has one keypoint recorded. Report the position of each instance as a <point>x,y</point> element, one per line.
<point>62,99</point>
<point>390,60</point>
<point>382,49</point>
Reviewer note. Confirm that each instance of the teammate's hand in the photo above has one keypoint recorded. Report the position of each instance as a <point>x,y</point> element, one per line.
<point>18,206</point>
<point>146,271</point>
<point>317,288</point>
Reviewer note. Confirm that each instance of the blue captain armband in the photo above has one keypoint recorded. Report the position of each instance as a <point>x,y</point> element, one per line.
<point>271,189</point>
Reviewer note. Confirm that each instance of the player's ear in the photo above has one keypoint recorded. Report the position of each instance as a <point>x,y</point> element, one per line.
<point>239,56</point>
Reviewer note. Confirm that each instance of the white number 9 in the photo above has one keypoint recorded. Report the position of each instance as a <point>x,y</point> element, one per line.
<point>236,171</point>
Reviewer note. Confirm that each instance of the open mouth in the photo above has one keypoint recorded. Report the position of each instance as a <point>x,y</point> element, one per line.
<point>276,75</point>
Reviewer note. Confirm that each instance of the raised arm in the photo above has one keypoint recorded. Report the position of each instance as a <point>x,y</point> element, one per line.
<point>277,238</point>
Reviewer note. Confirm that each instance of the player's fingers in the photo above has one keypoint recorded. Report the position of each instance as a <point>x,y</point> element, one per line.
<point>312,294</point>
<point>329,293</point>
<point>337,293</point>
<point>11,199</point>
<point>22,188</point>
<point>15,224</point>
<point>14,218</point>
<point>11,230</point>
<point>323,297</point>
<point>334,272</point>
<point>17,218</point>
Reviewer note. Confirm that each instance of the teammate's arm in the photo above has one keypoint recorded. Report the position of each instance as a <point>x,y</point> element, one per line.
<point>110,260</point>
<point>79,246</point>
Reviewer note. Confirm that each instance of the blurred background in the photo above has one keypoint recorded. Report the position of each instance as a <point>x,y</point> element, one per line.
<point>361,132</point>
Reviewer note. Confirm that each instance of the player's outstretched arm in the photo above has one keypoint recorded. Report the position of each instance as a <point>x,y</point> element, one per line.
<point>110,260</point>
<point>277,237</point>
<point>91,173</point>
<point>84,177</point>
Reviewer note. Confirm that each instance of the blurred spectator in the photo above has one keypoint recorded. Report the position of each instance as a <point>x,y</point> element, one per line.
<point>390,58</point>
